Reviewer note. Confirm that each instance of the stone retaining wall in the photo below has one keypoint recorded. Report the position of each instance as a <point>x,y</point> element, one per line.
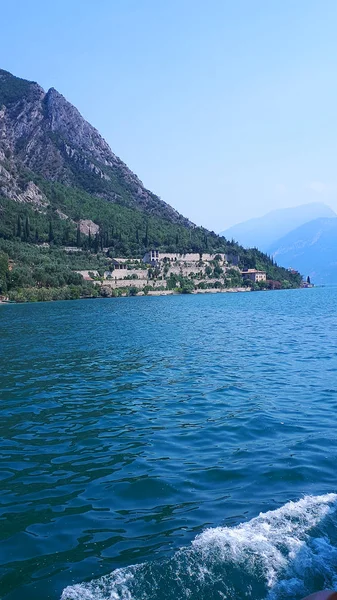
<point>137,283</point>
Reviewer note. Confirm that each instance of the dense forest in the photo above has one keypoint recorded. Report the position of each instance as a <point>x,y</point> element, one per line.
<point>32,244</point>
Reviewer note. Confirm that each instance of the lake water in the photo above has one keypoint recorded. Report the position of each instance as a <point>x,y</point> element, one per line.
<point>142,437</point>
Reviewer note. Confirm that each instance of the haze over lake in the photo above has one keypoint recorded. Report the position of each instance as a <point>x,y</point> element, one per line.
<point>131,426</point>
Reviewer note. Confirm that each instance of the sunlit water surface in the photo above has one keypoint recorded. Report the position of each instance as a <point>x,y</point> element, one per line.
<point>142,437</point>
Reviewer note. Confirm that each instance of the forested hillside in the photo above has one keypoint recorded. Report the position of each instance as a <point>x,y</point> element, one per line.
<point>61,185</point>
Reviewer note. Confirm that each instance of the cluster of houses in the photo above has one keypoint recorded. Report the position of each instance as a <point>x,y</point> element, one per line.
<point>156,267</point>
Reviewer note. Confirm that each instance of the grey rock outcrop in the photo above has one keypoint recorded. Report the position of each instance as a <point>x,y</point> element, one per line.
<point>44,133</point>
<point>87,226</point>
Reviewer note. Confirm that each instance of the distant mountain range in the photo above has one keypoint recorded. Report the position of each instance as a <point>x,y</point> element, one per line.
<point>311,249</point>
<point>263,232</point>
<point>303,238</point>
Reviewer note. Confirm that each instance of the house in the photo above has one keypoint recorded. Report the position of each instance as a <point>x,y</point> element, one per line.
<point>254,275</point>
<point>119,263</point>
<point>154,257</point>
<point>151,258</point>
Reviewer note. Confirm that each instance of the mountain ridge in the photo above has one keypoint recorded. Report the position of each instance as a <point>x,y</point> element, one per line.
<point>264,231</point>
<point>38,122</point>
<point>312,249</point>
<point>58,174</point>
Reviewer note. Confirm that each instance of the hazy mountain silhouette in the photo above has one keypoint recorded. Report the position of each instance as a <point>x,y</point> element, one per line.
<point>263,232</point>
<point>311,249</point>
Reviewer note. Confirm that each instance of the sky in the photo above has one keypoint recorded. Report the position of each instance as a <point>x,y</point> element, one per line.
<point>224,108</point>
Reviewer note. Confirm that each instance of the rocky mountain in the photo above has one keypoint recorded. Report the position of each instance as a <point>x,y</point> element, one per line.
<point>62,187</point>
<point>264,231</point>
<point>42,132</point>
<point>311,249</point>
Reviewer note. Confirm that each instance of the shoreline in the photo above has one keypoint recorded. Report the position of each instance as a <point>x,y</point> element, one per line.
<point>153,293</point>
<point>205,291</point>
<point>141,294</point>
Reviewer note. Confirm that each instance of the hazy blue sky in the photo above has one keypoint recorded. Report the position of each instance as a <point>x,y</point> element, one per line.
<point>224,108</point>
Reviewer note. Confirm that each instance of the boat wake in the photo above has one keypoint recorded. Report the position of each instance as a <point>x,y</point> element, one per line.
<point>281,554</point>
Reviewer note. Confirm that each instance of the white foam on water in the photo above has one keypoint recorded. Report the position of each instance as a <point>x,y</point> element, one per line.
<point>275,555</point>
<point>273,538</point>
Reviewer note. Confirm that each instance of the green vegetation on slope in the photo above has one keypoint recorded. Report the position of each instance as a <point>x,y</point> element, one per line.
<point>29,272</point>
<point>12,88</point>
<point>127,231</point>
<point>46,273</point>
<point>81,179</point>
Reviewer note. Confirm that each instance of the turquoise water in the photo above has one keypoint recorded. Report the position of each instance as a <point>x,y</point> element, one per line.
<point>142,437</point>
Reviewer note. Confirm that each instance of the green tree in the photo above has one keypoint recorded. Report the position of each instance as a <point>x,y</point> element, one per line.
<point>218,271</point>
<point>78,237</point>
<point>27,229</point>
<point>19,228</point>
<point>96,243</point>
<point>4,272</point>
<point>51,232</point>
<point>186,285</point>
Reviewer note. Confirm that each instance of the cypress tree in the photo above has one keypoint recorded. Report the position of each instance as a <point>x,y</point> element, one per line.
<point>51,232</point>
<point>27,229</point>
<point>19,229</point>
<point>78,237</point>
<point>66,235</point>
<point>96,243</point>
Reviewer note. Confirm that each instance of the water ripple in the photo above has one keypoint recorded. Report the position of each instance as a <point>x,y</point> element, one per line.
<point>130,425</point>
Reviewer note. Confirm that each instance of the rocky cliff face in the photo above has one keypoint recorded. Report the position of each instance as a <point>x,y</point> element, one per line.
<point>44,134</point>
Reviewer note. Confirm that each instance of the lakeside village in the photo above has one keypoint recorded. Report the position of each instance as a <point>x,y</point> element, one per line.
<point>162,273</point>
<point>157,273</point>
